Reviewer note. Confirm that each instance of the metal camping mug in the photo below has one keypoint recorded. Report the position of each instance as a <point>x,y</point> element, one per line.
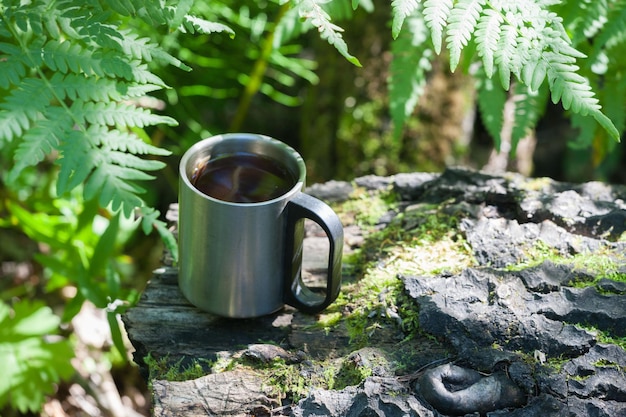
<point>244,259</point>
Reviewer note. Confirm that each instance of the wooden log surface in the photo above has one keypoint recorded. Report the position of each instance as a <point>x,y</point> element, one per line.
<point>166,326</point>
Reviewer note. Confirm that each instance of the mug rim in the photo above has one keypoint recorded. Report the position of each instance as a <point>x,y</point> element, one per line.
<point>213,140</point>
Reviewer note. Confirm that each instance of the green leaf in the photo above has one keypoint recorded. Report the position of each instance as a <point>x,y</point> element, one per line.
<point>505,55</point>
<point>77,160</point>
<point>150,221</point>
<point>606,124</point>
<point>409,69</point>
<point>491,99</point>
<point>436,14</point>
<point>127,142</point>
<point>64,56</point>
<point>195,24</point>
<point>34,321</point>
<point>181,9</point>
<point>19,110</point>
<point>38,142</point>
<point>105,248</point>
<point>311,11</point>
<point>144,49</point>
<point>115,185</point>
<point>461,23</point>
<point>487,37</point>
<point>116,334</point>
<point>401,9</point>
<point>31,365</point>
<point>529,107</point>
<point>117,114</point>
<point>13,65</point>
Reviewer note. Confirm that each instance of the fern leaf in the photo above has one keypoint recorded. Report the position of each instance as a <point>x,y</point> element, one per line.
<point>77,159</point>
<point>19,108</point>
<point>614,32</point>
<point>505,54</point>
<point>491,99</point>
<point>40,140</point>
<point>409,68</point>
<point>108,174</point>
<point>572,89</point>
<point>123,7</point>
<point>150,220</point>
<point>12,125</point>
<point>143,49</point>
<point>115,187</point>
<point>152,12</point>
<point>117,114</point>
<point>128,160</point>
<point>529,107</point>
<point>487,37</point>
<point>594,17</point>
<point>461,23</point>
<point>126,142</point>
<point>311,11</point>
<point>401,9</point>
<point>586,127</point>
<point>195,24</point>
<point>181,10</point>
<point>614,103</point>
<point>606,124</point>
<point>91,26</point>
<point>68,56</point>
<point>13,67</point>
<point>141,74</point>
<point>436,14</point>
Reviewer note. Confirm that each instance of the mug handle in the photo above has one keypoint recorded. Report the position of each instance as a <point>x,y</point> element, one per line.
<point>296,293</point>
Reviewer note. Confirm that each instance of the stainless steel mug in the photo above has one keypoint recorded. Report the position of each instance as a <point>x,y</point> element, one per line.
<point>244,259</point>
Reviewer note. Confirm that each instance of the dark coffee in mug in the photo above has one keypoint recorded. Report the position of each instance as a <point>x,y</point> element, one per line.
<point>243,178</point>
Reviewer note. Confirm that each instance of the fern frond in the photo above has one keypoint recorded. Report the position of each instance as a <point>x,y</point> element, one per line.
<point>117,114</point>
<point>13,66</point>
<point>401,10</point>
<point>67,56</point>
<point>79,86</point>
<point>586,128</point>
<point>614,103</point>
<point>436,13</point>
<point>77,158</point>
<point>505,55</point>
<point>195,24</point>
<point>312,11</point>
<point>530,105</point>
<point>487,37</point>
<point>128,160</point>
<point>12,125</point>
<point>491,99</point>
<point>123,7</point>
<point>461,23</point>
<point>90,25</point>
<point>107,173</point>
<point>566,85</point>
<point>409,67</point>
<point>126,142</point>
<point>143,49</point>
<point>594,17</point>
<point>20,107</point>
<point>115,186</point>
<point>614,32</point>
<point>40,140</point>
<point>181,10</point>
